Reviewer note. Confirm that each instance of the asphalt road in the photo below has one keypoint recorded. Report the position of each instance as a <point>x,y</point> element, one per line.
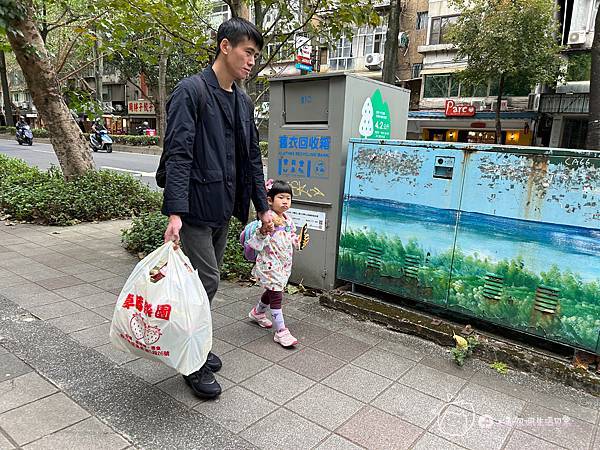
<point>41,155</point>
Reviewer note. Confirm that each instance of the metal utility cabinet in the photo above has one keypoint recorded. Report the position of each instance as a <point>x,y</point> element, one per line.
<point>504,234</point>
<point>311,119</point>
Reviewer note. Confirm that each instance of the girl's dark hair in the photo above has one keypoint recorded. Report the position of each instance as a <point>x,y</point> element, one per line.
<point>279,187</point>
<point>235,30</point>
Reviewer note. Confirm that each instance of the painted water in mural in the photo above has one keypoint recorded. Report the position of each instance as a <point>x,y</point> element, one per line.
<point>479,252</point>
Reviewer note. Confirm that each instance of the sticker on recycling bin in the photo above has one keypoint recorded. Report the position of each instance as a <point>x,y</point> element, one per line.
<point>375,120</point>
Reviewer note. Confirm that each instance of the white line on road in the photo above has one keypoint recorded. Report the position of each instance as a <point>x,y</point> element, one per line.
<point>133,172</point>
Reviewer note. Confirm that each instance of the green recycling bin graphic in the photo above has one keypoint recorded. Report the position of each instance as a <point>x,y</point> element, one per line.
<point>375,121</point>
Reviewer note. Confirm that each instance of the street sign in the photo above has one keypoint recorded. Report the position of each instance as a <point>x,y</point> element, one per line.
<point>304,67</point>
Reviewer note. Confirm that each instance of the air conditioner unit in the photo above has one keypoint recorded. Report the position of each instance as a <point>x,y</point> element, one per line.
<point>503,105</point>
<point>533,103</point>
<point>576,37</point>
<point>374,61</point>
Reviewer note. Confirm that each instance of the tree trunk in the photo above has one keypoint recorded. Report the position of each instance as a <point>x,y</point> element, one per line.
<point>498,104</point>
<point>8,114</point>
<point>390,57</point>
<point>162,89</point>
<point>593,133</point>
<point>98,69</point>
<point>70,146</point>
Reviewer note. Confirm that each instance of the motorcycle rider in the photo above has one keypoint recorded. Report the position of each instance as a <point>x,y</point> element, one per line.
<point>21,123</point>
<point>142,128</point>
<point>97,127</point>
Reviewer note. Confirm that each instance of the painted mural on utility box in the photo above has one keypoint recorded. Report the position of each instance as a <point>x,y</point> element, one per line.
<point>507,235</point>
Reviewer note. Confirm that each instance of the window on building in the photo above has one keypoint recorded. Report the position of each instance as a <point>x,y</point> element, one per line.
<point>579,67</point>
<point>106,93</point>
<point>469,90</point>
<point>369,40</point>
<point>515,86</point>
<point>287,51</point>
<point>574,134</point>
<point>439,29</point>
<point>340,56</point>
<point>441,86</point>
<point>220,13</point>
<point>422,18</point>
<point>415,70</point>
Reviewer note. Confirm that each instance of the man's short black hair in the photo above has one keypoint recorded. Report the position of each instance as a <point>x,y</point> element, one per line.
<point>235,30</point>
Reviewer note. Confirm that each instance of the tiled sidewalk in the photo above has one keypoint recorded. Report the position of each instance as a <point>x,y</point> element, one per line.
<point>348,384</point>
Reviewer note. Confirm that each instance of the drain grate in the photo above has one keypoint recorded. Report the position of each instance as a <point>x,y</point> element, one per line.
<point>411,266</point>
<point>546,300</point>
<point>492,289</point>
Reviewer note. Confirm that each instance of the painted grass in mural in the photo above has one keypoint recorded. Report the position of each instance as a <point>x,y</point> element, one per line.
<point>408,269</point>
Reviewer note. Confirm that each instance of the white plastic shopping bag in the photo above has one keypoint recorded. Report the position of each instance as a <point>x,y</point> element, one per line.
<point>163,313</point>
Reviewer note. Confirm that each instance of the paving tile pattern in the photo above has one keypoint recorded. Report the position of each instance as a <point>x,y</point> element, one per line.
<point>347,385</point>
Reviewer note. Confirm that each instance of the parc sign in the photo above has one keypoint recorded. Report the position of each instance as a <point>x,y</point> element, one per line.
<point>454,110</point>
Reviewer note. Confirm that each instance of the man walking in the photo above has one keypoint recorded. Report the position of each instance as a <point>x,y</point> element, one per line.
<point>213,165</point>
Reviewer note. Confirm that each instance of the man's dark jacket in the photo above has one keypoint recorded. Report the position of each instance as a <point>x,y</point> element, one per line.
<point>197,183</point>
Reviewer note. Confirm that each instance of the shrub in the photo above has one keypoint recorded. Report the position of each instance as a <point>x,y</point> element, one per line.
<point>146,234</point>
<point>32,195</point>
<point>264,148</point>
<point>126,139</point>
<point>234,264</point>
<point>7,130</point>
<point>40,133</point>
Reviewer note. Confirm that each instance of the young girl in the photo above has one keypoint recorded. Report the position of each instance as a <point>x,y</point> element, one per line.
<point>274,261</point>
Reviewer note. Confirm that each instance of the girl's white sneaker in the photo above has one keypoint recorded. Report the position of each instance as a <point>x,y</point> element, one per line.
<point>260,319</point>
<point>285,338</point>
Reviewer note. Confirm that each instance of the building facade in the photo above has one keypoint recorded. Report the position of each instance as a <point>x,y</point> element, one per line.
<point>443,113</point>
<point>563,112</point>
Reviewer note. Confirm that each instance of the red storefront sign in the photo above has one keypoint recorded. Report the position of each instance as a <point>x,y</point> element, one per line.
<point>140,107</point>
<point>454,110</point>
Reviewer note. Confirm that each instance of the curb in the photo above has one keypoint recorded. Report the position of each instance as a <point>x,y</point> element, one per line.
<point>490,349</point>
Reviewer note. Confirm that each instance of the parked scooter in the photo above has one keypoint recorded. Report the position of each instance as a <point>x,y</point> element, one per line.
<point>101,142</point>
<point>24,135</point>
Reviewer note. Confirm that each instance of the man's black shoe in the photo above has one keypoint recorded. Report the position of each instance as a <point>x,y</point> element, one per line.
<point>213,362</point>
<point>203,383</point>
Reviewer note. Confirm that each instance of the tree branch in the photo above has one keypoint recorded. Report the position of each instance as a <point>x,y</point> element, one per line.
<point>75,39</point>
<point>89,63</point>
<point>163,26</point>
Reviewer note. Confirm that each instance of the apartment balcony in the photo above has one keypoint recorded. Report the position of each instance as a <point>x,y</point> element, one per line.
<point>435,48</point>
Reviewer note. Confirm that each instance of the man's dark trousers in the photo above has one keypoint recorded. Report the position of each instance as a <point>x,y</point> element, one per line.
<point>205,247</point>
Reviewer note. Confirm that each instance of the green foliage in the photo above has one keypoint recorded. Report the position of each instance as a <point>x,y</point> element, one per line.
<point>10,11</point>
<point>7,130</point>
<point>264,148</point>
<point>579,67</point>
<point>499,367</point>
<point>137,141</point>
<point>461,354</point>
<point>507,38</point>
<point>145,233</point>
<point>40,133</point>
<point>576,322</point>
<point>32,195</point>
<point>234,264</point>
<point>83,102</point>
